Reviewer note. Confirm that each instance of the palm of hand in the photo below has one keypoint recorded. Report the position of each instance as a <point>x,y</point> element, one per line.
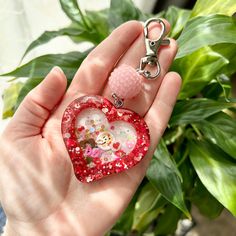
<point>38,186</point>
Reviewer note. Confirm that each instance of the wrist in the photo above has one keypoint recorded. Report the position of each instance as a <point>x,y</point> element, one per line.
<point>45,228</point>
<point>59,225</point>
<point>19,230</point>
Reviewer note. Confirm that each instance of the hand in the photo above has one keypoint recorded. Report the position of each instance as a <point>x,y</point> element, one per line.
<point>38,189</point>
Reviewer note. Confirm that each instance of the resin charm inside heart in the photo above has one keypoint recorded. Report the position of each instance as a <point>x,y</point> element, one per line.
<point>101,139</point>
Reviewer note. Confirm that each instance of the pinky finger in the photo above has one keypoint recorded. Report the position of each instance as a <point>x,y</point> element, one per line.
<point>159,113</point>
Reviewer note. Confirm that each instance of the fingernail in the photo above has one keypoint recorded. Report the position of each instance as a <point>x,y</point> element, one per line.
<point>57,69</point>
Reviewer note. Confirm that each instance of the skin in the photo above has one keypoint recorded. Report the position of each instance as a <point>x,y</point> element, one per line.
<point>38,190</point>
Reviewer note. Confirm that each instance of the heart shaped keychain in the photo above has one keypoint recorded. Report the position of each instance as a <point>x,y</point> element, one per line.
<point>102,138</point>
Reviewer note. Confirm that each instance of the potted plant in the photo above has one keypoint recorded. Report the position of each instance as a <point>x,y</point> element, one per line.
<point>195,162</point>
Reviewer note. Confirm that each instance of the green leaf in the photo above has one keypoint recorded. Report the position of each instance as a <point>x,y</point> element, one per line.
<point>228,51</point>
<point>206,7</point>
<point>72,10</point>
<point>225,83</point>
<point>193,110</point>
<point>213,90</point>
<point>188,174</point>
<point>216,172</point>
<point>9,98</point>
<point>205,31</point>
<point>40,66</point>
<point>198,69</point>
<point>177,18</point>
<point>220,129</point>
<point>26,88</point>
<point>99,27</point>
<point>205,202</point>
<point>167,222</point>
<point>164,175</point>
<point>122,11</point>
<point>49,35</point>
<point>171,135</point>
<point>160,14</point>
<point>99,24</point>
<point>230,69</point>
<point>221,84</point>
<point>147,207</point>
<point>124,223</point>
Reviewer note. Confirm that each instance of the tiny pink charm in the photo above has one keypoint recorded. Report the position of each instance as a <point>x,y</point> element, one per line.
<point>102,140</point>
<point>125,82</point>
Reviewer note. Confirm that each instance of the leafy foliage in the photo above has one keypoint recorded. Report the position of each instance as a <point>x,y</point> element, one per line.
<point>148,205</point>
<point>217,172</point>
<point>205,31</point>
<point>10,97</point>
<point>195,162</point>
<point>40,66</point>
<point>205,202</point>
<point>164,175</point>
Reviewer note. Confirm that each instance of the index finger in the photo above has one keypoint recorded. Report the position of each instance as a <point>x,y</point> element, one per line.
<point>92,74</point>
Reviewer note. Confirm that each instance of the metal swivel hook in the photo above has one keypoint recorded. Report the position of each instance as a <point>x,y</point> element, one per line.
<point>152,48</point>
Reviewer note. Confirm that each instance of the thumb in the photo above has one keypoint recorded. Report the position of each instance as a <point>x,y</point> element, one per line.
<point>36,107</point>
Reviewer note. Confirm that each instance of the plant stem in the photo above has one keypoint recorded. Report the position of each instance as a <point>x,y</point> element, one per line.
<point>197,131</point>
<point>83,18</point>
<point>186,152</point>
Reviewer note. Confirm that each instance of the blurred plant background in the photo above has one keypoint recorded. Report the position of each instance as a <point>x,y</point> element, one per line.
<point>195,162</point>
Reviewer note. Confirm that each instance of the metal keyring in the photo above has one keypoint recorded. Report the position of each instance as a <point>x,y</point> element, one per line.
<point>152,48</point>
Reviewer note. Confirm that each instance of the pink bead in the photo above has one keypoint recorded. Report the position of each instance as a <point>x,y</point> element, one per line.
<point>125,82</point>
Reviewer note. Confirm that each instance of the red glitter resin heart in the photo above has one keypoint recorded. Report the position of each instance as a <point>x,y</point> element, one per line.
<point>102,140</point>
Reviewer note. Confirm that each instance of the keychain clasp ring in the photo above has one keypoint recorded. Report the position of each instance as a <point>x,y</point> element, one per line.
<point>152,47</point>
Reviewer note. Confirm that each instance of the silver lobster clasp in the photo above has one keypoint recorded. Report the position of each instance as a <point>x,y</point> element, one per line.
<point>152,47</point>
